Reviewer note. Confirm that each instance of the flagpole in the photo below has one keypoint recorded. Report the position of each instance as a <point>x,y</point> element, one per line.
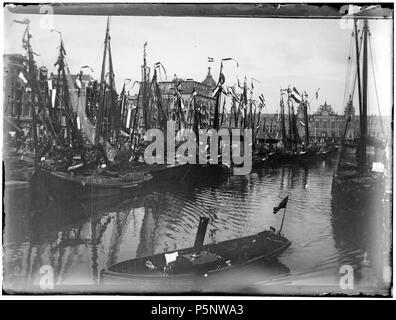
<point>283,219</point>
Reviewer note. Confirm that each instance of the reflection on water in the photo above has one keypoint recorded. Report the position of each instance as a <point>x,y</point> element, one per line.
<point>80,239</point>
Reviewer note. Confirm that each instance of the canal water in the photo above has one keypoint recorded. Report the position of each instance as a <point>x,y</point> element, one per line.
<point>77,240</point>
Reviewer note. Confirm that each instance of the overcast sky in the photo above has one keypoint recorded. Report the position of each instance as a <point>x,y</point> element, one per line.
<point>307,54</point>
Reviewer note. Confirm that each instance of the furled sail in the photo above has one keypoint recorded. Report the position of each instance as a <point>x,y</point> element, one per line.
<point>78,101</point>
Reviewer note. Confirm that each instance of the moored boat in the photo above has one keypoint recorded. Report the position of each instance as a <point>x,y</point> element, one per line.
<point>63,185</point>
<point>195,268</point>
<point>356,184</point>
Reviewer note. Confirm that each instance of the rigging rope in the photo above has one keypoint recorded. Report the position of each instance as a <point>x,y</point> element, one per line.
<point>348,73</point>
<point>375,85</point>
<point>355,77</point>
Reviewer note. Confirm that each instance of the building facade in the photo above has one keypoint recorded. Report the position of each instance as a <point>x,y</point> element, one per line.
<point>327,124</point>
<point>203,93</point>
<point>16,105</point>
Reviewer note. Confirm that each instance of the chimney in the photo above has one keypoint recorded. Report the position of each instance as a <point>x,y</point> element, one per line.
<point>200,237</point>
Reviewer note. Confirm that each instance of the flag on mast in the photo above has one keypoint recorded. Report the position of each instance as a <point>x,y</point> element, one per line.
<point>22,77</point>
<point>281,205</point>
<point>296,95</point>
<point>78,81</point>
<point>317,94</point>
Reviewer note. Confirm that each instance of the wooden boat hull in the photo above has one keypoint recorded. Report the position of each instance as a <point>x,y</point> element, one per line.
<point>63,186</point>
<point>242,253</point>
<point>310,155</point>
<point>205,170</point>
<point>281,157</point>
<point>168,172</point>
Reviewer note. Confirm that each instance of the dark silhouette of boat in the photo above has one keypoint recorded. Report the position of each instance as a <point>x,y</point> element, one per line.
<point>287,156</point>
<point>63,185</point>
<point>357,183</point>
<point>194,268</point>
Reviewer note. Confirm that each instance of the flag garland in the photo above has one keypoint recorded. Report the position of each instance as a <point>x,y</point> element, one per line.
<point>160,66</point>
<point>219,85</point>
<point>262,101</point>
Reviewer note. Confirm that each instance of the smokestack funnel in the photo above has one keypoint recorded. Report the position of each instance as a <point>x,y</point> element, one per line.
<point>200,237</point>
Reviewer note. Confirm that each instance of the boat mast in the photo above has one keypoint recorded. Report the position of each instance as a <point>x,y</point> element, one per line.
<point>363,117</point>
<point>358,151</point>
<point>132,141</point>
<point>144,88</point>
<point>102,89</point>
<point>196,123</point>
<point>222,113</point>
<point>64,92</point>
<point>290,144</point>
<point>233,113</point>
<point>251,107</point>
<point>244,101</point>
<point>294,128</point>
<point>115,111</point>
<point>260,106</point>
<point>305,105</point>
<point>282,107</point>
<point>32,79</point>
<point>218,99</point>
<point>122,107</point>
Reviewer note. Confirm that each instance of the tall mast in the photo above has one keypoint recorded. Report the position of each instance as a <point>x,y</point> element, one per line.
<point>233,113</point>
<point>282,107</point>
<point>218,99</point>
<point>290,120</point>
<point>363,117</point>
<point>122,107</point>
<point>195,125</point>
<point>102,88</point>
<point>294,127</point>
<point>132,143</point>
<point>222,113</point>
<point>260,106</point>
<point>32,78</point>
<point>359,150</point>
<point>115,112</point>
<point>144,88</point>
<point>251,107</point>
<point>358,68</point>
<point>70,130</point>
<point>245,104</point>
<point>305,105</point>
